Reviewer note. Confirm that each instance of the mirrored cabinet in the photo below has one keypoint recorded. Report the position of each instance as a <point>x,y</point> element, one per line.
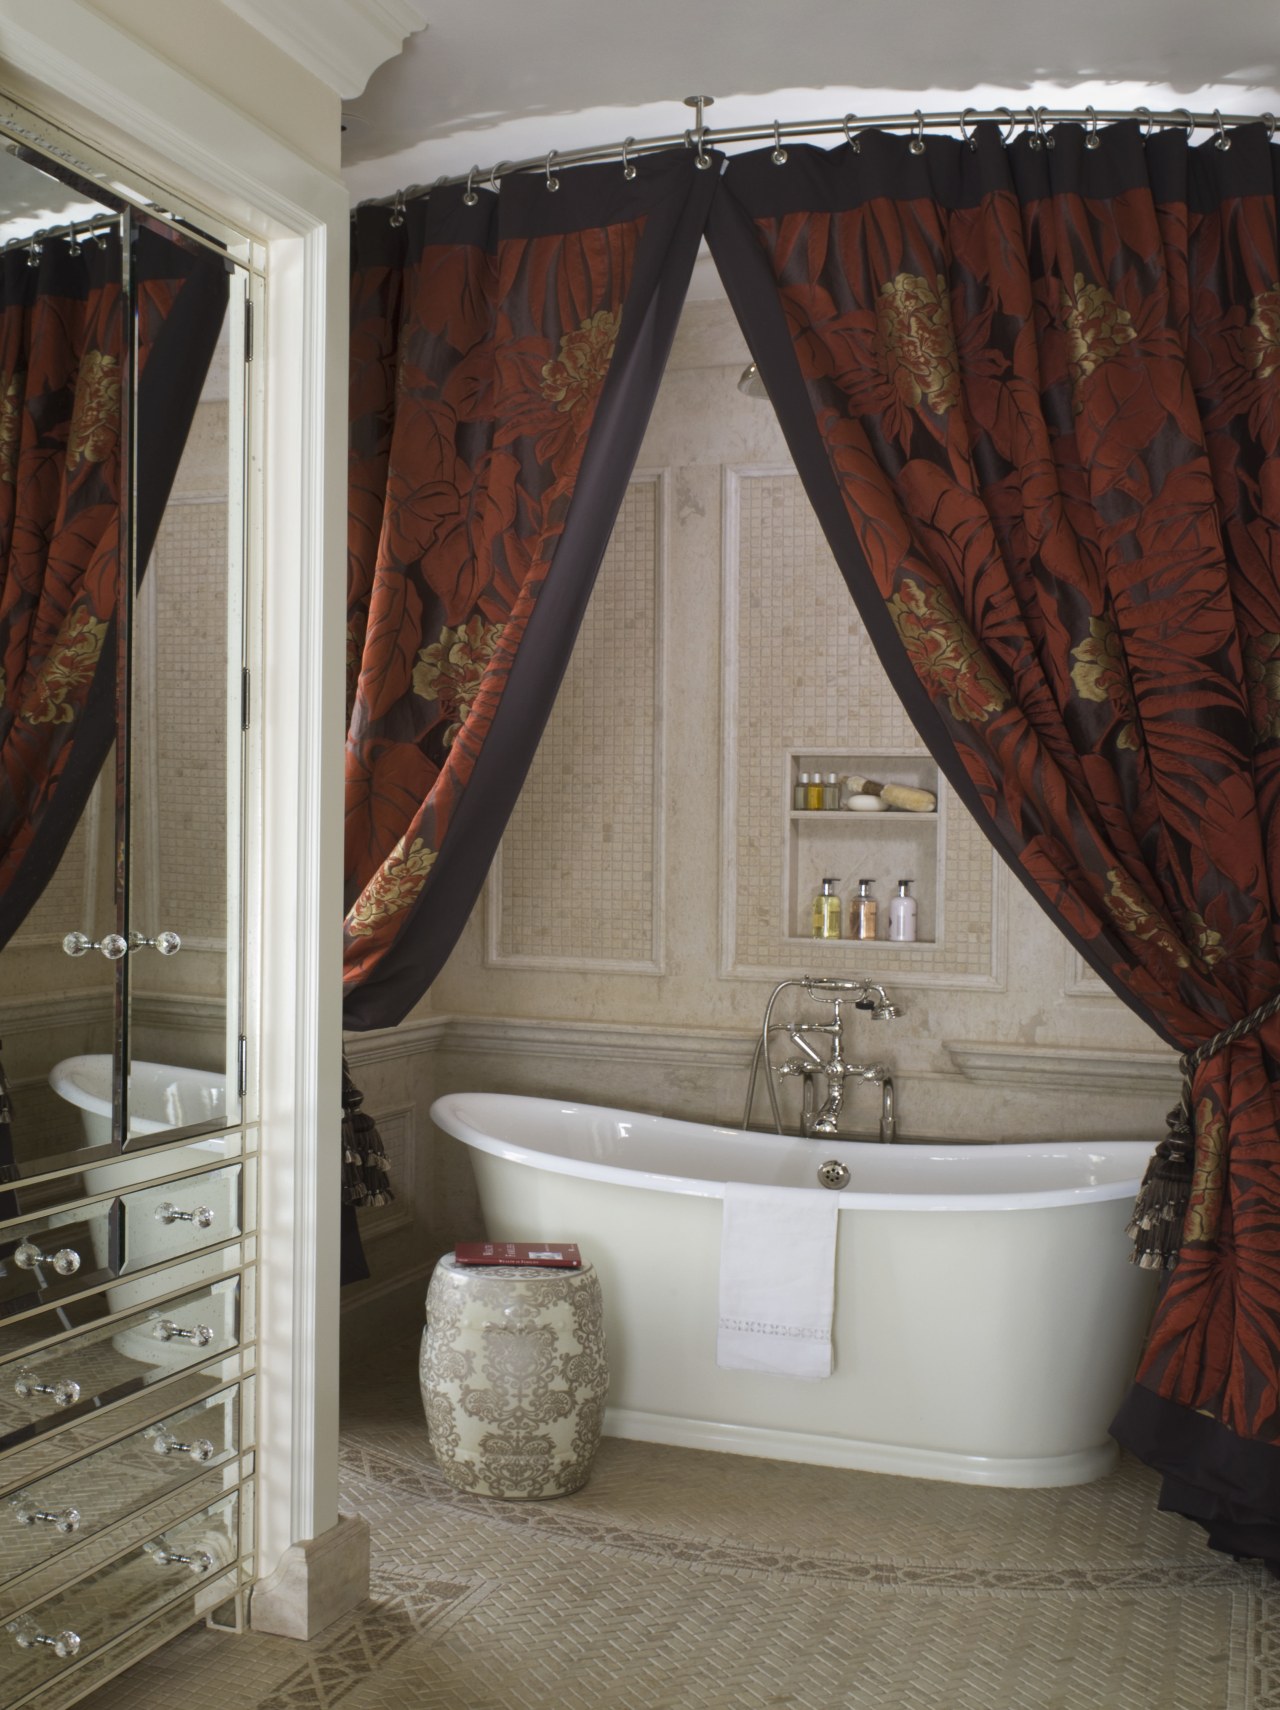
<point>127,1177</point>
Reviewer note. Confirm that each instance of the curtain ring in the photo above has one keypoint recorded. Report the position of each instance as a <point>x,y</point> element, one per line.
<point>1150,118</point>
<point>779,155</point>
<point>1270,119</point>
<point>628,170</point>
<point>1007,138</point>
<point>73,241</point>
<point>553,183</point>
<point>1046,136</point>
<point>916,145</point>
<point>972,141</point>
<point>35,250</point>
<point>1222,140</point>
<point>1189,118</point>
<point>397,209</point>
<point>1092,140</point>
<point>855,143</point>
<point>494,174</point>
<point>469,197</point>
<point>703,161</point>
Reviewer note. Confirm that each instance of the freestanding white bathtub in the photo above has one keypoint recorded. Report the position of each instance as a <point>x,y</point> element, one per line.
<point>987,1320</point>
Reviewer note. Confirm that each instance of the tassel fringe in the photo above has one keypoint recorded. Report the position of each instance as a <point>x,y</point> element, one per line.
<point>366,1175</point>
<point>1158,1212</point>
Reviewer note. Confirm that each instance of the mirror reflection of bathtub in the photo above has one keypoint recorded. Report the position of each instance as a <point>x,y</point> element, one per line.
<point>162,1098</point>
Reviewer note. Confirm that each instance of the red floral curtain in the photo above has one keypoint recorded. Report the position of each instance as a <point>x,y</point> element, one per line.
<point>1034,393</point>
<point>64,369</point>
<point>505,353</point>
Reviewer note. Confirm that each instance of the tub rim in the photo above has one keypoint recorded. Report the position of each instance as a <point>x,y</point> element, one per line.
<point>446,1115</point>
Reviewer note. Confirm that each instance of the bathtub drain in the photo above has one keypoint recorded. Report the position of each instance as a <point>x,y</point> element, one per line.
<point>833,1174</point>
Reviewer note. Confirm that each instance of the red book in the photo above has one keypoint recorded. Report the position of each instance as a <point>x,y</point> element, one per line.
<point>555,1255</point>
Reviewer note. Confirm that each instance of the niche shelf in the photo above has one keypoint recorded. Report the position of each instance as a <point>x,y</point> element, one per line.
<point>848,845</point>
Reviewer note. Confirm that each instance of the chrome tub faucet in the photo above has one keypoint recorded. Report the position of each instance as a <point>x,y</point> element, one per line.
<point>822,1121</point>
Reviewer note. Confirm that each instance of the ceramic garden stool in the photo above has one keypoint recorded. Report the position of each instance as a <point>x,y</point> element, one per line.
<point>514,1376</point>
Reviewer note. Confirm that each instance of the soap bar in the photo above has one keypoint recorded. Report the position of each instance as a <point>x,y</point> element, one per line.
<point>554,1255</point>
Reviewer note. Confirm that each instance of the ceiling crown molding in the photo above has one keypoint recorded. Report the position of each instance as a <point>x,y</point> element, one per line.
<point>342,42</point>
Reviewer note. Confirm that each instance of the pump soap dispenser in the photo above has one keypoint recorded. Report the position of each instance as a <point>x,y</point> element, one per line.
<point>902,915</point>
<point>826,911</point>
<point>862,911</point>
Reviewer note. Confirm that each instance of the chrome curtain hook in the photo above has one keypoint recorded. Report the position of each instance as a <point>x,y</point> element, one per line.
<point>1222,140</point>
<point>916,145</point>
<point>1269,120</point>
<point>397,209</point>
<point>964,129</point>
<point>1188,118</point>
<point>469,197</point>
<point>1008,112</point>
<point>1042,130</point>
<point>1092,140</point>
<point>855,143</point>
<point>35,250</point>
<point>628,169</point>
<point>494,175</point>
<point>73,240</point>
<point>779,155</point>
<point>1150,118</point>
<point>697,137</point>
<point>553,183</point>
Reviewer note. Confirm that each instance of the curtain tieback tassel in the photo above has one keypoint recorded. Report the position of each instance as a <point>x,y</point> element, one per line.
<point>1161,1206</point>
<point>366,1175</point>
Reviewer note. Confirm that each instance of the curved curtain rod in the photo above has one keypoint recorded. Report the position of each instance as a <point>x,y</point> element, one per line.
<point>1034,119</point>
<point>100,225</point>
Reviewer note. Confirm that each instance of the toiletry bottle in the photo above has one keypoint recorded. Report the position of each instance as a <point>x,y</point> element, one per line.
<point>813,798</point>
<point>831,794</point>
<point>826,911</point>
<point>902,915</point>
<point>800,794</point>
<point>862,913</point>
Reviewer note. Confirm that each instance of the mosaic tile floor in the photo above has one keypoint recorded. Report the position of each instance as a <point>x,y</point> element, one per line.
<point>681,1580</point>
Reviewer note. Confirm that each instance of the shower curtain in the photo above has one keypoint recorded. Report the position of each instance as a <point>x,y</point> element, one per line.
<point>63,370</point>
<point>1034,395</point>
<point>506,350</point>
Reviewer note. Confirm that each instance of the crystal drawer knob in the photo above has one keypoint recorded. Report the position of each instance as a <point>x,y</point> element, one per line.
<point>202,1216</point>
<point>163,1556</point>
<point>26,1635</point>
<point>113,947</point>
<point>28,1513</point>
<point>64,1391</point>
<point>66,1261</point>
<point>167,943</point>
<point>164,1444</point>
<point>168,1331</point>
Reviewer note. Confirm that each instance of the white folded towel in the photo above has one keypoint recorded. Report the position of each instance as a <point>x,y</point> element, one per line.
<point>777,1280</point>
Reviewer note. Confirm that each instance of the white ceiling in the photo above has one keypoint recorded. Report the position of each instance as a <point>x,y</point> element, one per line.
<point>506,79</point>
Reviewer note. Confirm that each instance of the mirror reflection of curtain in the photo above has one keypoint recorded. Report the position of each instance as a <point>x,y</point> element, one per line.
<point>62,370</point>
<point>66,368</point>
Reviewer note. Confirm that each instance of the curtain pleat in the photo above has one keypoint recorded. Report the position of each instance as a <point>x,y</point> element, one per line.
<point>1034,395</point>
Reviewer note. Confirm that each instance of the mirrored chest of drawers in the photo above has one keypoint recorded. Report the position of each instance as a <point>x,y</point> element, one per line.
<point>126,1412</point>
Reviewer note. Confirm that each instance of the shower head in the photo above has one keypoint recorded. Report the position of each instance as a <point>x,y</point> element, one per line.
<point>750,384</point>
<point>885,1012</point>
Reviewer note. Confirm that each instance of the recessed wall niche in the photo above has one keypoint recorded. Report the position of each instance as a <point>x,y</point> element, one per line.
<point>801,679</point>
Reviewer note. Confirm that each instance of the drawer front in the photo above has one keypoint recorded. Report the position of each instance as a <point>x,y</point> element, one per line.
<point>40,1389</point>
<point>48,1257</point>
<point>56,1634</point>
<point>169,1222</point>
<point>56,1514</point>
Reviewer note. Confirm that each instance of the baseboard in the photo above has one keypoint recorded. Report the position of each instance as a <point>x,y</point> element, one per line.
<point>766,1443</point>
<point>317,1582</point>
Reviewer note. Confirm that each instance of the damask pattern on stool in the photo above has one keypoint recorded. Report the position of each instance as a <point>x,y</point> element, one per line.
<point>514,1375</point>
